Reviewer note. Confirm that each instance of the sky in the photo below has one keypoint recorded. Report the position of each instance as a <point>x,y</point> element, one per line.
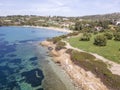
<point>58,7</point>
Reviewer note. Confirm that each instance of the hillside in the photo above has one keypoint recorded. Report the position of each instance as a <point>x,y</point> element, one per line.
<point>102,17</point>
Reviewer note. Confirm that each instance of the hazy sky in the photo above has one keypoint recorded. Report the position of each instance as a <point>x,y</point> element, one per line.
<point>58,7</point>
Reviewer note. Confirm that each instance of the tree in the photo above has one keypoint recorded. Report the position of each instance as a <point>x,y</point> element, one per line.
<point>78,26</point>
<point>109,36</point>
<point>103,24</point>
<point>100,40</point>
<point>85,37</point>
<point>117,36</point>
<point>117,29</point>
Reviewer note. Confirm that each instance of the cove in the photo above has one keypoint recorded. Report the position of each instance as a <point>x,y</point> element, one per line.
<point>21,66</point>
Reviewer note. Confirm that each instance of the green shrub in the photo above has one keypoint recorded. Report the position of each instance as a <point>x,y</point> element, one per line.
<point>109,36</point>
<point>117,36</point>
<point>73,34</point>
<point>55,39</point>
<point>63,36</point>
<point>60,45</point>
<point>87,34</point>
<point>95,32</point>
<point>117,28</point>
<point>80,56</point>
<point>69,51</point>
<point>100,40</point>
<point>85,37</point>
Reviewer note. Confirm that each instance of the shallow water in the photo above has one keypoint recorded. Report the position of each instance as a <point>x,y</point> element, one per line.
<point>21,67</point>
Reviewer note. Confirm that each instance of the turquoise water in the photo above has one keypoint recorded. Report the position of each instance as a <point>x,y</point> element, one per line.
<point>20,66</point>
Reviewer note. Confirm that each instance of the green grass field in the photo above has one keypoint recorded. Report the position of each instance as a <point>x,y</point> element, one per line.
<point>111,51</point>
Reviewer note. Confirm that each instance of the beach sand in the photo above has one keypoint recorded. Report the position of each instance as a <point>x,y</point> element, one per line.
<point>51,28</point>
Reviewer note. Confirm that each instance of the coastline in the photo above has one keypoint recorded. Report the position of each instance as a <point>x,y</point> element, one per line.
<point>55,77</point>
<point>54,71</point>
<point>50,28</point>
<point>83,80</point>
<point>62,65</point>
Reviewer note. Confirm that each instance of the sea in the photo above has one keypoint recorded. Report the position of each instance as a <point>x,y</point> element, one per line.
<point>24,63</point>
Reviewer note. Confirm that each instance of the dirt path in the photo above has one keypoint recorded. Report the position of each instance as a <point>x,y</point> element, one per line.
<point>112,66</point>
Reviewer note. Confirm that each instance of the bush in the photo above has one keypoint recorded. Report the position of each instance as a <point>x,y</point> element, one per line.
<point>95,32</point>
<point>117,36</point>
<point>85,37</point>
<point>100,40</point>
<point>81,56</point>
<point>109,36</point>
<point>55,39</point>
<point>63,36</point>
<point>60,45</point>
<point>117,29</point>
<point>69,51</point>
<point>73,34</point>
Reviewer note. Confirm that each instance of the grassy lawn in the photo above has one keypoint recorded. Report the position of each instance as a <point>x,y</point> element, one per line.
<point>111,51</point>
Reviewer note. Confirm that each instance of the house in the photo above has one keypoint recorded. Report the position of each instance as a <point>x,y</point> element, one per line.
<point>118,22</point>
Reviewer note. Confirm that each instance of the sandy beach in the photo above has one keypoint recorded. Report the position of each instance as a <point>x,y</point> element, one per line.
<point>51,28</point>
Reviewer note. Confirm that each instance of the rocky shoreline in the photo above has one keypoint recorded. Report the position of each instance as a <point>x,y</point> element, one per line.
<point>55,77</point>
<point>82,79</point>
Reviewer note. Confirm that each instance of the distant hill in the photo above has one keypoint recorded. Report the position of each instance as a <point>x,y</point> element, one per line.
<point>102,17</point>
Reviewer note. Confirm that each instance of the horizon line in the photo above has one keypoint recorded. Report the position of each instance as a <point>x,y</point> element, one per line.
<point>58,15</point>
